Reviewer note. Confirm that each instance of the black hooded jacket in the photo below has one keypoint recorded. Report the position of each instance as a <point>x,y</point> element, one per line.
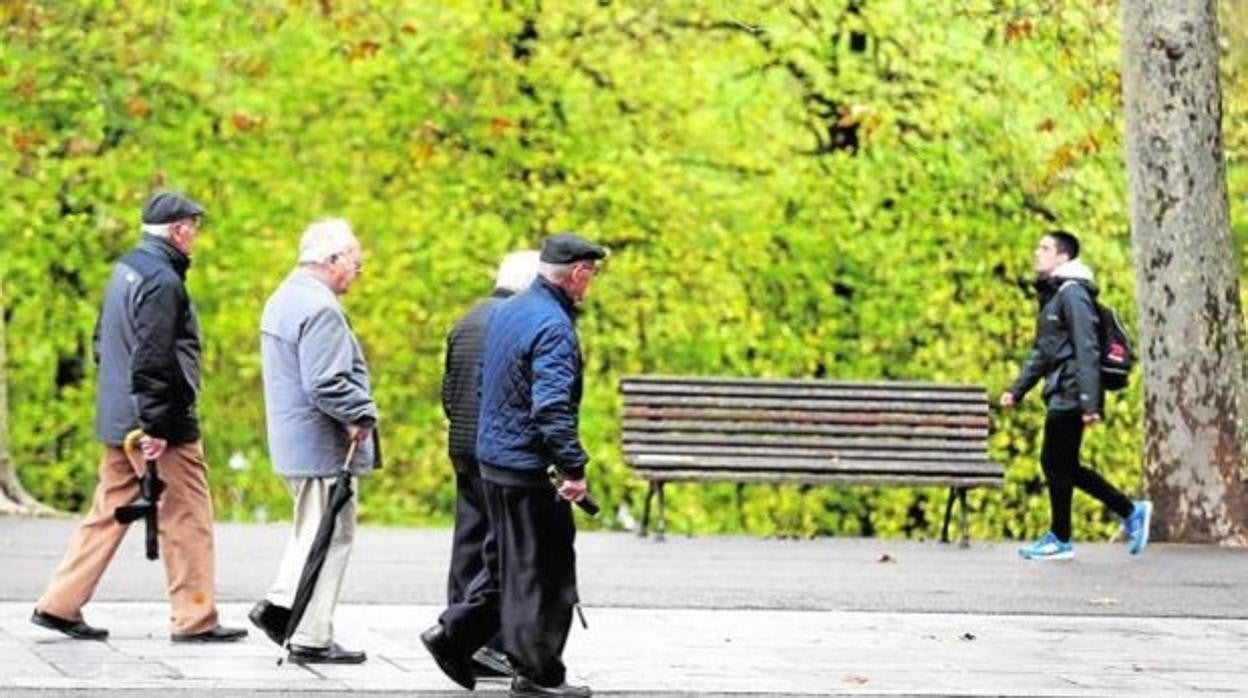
<point>1066,352</point>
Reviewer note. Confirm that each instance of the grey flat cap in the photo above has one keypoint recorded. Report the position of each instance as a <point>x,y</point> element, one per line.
<point>566,248</point>
<point>167,207</point>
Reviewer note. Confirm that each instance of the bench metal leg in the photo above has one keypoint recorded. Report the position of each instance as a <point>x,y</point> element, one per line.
<point>944,530</point>
<point>645,511</point>
<point>662,527</point>
<point>966,532</point>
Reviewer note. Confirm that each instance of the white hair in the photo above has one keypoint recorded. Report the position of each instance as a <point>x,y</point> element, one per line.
<point>324,239</point>
<point>517,271</point>
<point>554,272</point>
<point>159,230</point>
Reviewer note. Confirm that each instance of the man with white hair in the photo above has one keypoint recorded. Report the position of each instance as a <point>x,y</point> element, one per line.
<point>464,346</point>
<point>318,401</point>
<point>529,421</point>
<point>147,347</point>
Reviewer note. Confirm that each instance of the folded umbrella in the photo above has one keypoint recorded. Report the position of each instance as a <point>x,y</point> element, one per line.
<point>146,506</point>
<point>339,494</point>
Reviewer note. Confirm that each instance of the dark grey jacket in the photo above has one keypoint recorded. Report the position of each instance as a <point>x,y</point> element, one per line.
<point>147,348</point>
<point>1067,351</point>
<point>464,346</point>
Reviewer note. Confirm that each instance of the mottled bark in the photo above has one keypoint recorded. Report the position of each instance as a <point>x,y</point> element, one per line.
<point>13,497</point>
<point>1191,322</point>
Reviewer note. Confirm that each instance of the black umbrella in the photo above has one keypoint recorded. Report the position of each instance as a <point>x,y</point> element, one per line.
<point>146,505</point>
<point>339,494</point>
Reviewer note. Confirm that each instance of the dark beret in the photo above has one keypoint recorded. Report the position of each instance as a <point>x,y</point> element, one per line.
<point>566,248</point>
<point>167,207</point>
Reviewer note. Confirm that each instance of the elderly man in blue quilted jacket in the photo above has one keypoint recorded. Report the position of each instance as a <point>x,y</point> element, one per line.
<point>529,417</point>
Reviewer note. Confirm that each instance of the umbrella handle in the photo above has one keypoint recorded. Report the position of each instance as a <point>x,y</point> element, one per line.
<point>346,464</point>
<point>130,444</point>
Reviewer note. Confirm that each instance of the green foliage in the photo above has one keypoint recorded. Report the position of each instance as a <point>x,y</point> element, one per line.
<point>843,190</point>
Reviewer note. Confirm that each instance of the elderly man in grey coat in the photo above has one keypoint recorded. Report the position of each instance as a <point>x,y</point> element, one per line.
<point>318,400</point>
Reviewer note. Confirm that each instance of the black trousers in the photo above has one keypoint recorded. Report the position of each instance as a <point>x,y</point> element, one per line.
<point>472,525</point>
<point>526,592</point>
<point>1059,457</point>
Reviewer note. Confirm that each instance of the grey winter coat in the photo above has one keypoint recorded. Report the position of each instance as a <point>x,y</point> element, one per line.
<point>1066,352</point>
<point>316,381</point>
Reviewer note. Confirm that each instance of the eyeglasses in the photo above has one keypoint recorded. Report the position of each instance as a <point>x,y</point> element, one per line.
<point>357,264</point>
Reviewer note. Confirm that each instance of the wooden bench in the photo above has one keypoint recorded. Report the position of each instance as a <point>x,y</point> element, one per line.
<point>812,432</point>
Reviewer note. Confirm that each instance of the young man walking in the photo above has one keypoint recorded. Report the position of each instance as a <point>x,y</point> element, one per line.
<point>1067,354</point>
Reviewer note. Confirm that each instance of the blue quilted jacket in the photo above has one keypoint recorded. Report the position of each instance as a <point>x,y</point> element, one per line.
<point>531,385</point>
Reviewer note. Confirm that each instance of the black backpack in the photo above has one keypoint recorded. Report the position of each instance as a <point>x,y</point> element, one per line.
<point>1117,355</point>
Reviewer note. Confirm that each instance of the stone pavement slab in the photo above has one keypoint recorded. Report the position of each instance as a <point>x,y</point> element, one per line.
<point>664,651</point>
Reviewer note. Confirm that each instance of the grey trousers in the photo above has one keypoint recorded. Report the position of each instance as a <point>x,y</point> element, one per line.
<point>311,495</point>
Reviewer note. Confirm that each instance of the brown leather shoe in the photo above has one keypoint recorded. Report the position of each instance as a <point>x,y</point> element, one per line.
<point>217,634</point>
<point>79,630</point>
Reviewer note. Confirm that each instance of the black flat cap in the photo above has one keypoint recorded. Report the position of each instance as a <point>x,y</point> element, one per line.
<point>167,207</point>
<point>566,248</point>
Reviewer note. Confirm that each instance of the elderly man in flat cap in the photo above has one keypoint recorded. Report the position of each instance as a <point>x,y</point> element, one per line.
<point>147,348</point>
<point>529,415</point>
<point>317,402</point>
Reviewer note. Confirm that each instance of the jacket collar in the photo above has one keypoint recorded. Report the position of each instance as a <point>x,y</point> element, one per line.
<point>502,293</point>
<point>305,279</point>
<point>165,250</point>
<point>543,285</point>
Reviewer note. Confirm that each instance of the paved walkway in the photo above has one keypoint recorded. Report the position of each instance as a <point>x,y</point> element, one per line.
<point>706,616</point>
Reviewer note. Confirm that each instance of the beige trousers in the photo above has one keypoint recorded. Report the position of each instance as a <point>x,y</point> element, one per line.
<point>186,545</point>
<point>311,495</point>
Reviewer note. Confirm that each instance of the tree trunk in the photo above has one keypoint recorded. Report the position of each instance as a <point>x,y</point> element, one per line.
<point>1191,322</point>
<point>13,497</point>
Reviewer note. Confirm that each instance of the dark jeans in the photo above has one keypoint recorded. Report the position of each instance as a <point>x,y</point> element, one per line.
<point>527,589</point>
<point>1059,456</point>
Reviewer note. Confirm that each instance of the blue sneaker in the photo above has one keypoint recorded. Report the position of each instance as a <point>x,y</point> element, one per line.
<point>1136,526</point>
<point>1047,548</point>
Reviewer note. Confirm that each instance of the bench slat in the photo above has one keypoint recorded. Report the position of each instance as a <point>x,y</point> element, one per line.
<point>644,392</point>
<point>978,432</point>
<point>801,383</point>
<point>636,450</point>
<point>830,405</point>
<point>910,480</point>
<point>845,465</point>
<point>800,416</point>
<point>633,438</point>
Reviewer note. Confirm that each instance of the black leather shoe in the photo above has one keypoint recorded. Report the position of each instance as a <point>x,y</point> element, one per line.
<point>489,663</point>
<point>334,654</point>
<point>217,634</point>
<point>451,661</point>
<point>272,619</point>
<point>527,688</point>
<point>79,630</point>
